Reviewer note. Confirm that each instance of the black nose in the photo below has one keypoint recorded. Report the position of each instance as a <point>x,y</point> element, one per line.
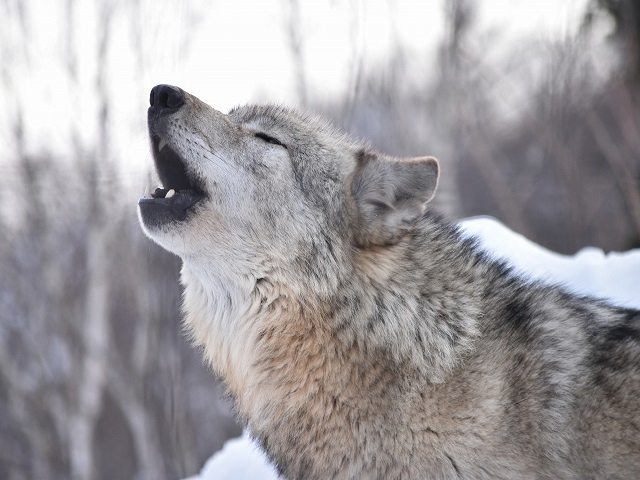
<point>166,97</point>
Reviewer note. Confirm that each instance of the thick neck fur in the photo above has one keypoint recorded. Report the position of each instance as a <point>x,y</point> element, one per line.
<point>301,361</point>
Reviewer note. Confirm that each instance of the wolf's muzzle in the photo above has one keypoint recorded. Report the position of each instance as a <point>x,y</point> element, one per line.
<point>180,189</point>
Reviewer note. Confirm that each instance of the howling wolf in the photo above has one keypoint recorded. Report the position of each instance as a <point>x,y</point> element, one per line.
<point>359,335</point>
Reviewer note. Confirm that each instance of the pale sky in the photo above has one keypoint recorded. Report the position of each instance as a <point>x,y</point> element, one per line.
<point>226,52</point>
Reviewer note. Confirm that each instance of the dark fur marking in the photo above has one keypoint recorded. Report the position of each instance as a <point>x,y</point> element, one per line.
<point>329,244</point>
<point>620,333</point>
<point>454,465</point>
<point>341,313</point>
<point>378,316</point>
<point>613,347</point>
<point>518,315</point>
<point>381,310</point>
<point>361,156</point>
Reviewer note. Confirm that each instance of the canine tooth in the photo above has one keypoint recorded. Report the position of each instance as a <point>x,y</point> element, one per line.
<point>147,192</point>
<point>170,193</point>
<point>162,144</point>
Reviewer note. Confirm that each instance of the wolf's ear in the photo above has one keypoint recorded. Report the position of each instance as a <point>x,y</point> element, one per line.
<point>391,195</point>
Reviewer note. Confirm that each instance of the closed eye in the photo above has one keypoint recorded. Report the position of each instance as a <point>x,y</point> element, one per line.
<point>269,139</point>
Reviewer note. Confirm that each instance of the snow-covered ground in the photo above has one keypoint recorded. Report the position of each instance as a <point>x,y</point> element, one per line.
<point>615,276</point>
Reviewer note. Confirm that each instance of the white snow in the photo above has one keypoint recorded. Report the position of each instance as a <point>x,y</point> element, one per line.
<point>240,458</point>
<point>615,276</point>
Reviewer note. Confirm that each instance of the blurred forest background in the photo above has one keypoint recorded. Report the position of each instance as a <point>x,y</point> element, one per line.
<point>96,379</point>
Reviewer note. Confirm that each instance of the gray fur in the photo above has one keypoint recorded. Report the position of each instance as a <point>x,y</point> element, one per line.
<point>361,336</point>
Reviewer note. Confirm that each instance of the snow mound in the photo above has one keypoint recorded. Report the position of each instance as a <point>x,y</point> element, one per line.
<point>615,276</point>
<point>240,458</point>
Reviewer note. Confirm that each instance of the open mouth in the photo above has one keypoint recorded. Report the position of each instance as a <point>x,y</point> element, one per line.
<point>179,192</point>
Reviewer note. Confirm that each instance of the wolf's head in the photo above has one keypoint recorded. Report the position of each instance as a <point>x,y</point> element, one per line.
<point>264,188</point>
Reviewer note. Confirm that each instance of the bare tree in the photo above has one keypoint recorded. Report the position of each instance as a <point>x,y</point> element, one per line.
<point>542,140</point>
<point>294,30</point>
<point>96,381</point>
<point>626,17</point>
